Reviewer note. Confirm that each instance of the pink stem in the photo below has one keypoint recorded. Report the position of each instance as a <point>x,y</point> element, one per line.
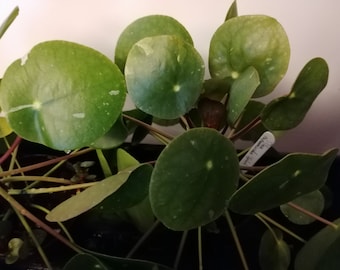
<point>10,150</point>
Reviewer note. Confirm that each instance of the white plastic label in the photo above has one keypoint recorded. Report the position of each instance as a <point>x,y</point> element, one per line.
<point>258,149</point>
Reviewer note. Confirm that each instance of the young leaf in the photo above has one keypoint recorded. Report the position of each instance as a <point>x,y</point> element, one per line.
<point>164,76</point>
<point>313,202</point>
<point>192,179</point>
<point>288,111</point>
<point>125,160</point>
<point>252,40</point>
<point>62,94</point>
<point>293,176</point>
<point>232,12</point>
<point>241,91</point>
<point>15,245</point>
<point>274,253</point>
<point>148,26</point>
<point>89,198</point>
<point>321,252</point>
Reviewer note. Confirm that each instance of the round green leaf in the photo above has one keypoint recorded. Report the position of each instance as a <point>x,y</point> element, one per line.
<point>62,94</point>
<point>148,26</point>
<point>321,252</point>
<point>192,179</point>
<point>274,253</point>
<point>164,76</point>
<point>313,202</point>
<point>288,111</point>
<point>252,40</point>
<point>291,177</point>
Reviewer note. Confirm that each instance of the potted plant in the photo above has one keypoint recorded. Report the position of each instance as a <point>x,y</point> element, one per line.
<point>70,98</point>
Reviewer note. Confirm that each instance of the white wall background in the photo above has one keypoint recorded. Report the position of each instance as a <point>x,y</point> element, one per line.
<point>312,27</point>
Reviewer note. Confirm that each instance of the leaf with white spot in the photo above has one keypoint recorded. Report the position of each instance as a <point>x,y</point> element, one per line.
<point>251,40</point>
<point>62,94</point>
<point>293,176</point>
<point>164,76</point>
<point>288,111</point>
<point>192,179</point>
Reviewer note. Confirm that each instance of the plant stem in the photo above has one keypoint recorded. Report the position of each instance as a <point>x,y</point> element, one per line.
<point>180,249</point>
<point>184,122</point>
<point>61,225</point>
<point>49,190</point>
<point>282,228</point>
<point>44,163</point>
<point>234,136</point>
<point>10,150</point>
<point>268,227</point>
<point>200,254</point>
<point>147,126</point>
<point>142,239</point>
<point>55,167</point>
<point>159,137</point>
<point>36,178</point>
<point>309,213</point>
<point>9,21</point>
<point>236,239</point>
<point>23,211</point>
<point>103,163</point>
<point>34,239</point>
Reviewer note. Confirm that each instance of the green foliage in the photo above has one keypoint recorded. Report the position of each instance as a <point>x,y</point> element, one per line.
<point>90,197</point>
<point>193,177</point>
<point>288,111</point>
<point>291,177</point>
<point>67,96</point>
<point>252,40</point>
<point>5,129</point>
<point>321,250</point>
<point>164,76</point>
<point>148,26</point>
<point>241,92</point>
<point>274,251</point>
<point>313,202</point>
<point>62,94</point>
